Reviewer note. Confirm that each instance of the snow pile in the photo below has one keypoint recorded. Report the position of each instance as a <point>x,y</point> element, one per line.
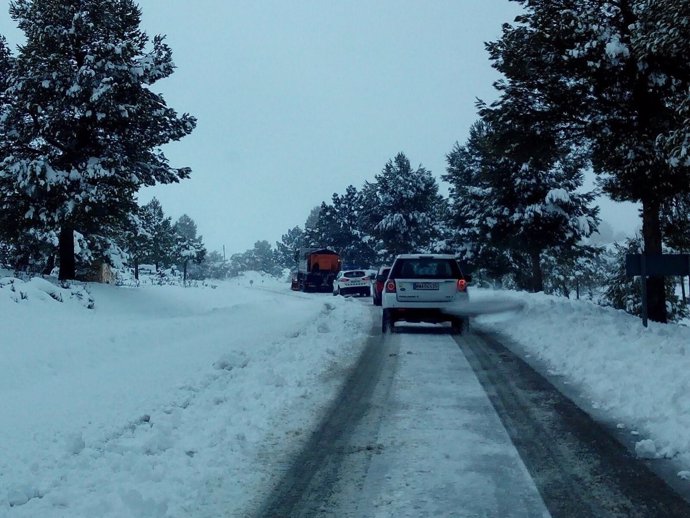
<point>639,376</point>
<point>19,291</point>
<point>164,401</point>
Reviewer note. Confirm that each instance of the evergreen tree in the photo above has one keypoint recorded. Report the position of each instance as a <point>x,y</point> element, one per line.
<point>516,191</point>
<point>186,227</point>
<point>675,218</point>
<point>575,272</point>
<point>13,231</point>
<point>159,251</point>
<point>188,246</point>
<point>350,239</point>
<point>321,227</point>
<point>339,226</point>
<point>590,70</point>
<point>261,258</point>
<point>401,209</point>
<point>84,128</point>
<point>662,39</point>
<point>136,240</point>
<point>214,266</point>
<point>312,219</point>
<point>623,292</point>
<point>469,172</point>
<point>288,246</point>
<point>264,258</point>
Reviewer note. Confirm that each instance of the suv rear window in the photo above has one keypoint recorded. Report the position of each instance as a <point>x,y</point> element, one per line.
<point>425,268</point>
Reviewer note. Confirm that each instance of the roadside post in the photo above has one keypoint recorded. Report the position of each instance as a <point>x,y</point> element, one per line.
<point>660,265</point>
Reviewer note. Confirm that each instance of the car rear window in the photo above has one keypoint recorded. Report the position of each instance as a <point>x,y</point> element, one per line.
<point>354,274</point>
<point>425,268</point>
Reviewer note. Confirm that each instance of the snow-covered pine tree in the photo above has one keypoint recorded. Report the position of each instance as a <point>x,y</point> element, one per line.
<point>583,66</point>
<point>261,258</point>
<point>515,191</point>
<point>264,258</point>
<point>350,239</point>
<point>186,227</point>
<point>188,246</point>
<point>468,173</point>
<point>10,215</point>
<point>402,209</point>
<point>662,39</point>
<point>288,246</point>
<point>320,227</point>
<point>164,239</point>
<point>84,128</point>
<point>214,266</point>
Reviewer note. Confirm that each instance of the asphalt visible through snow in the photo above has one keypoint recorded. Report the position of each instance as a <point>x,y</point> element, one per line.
<point>579,468</point>
<point>433,425</point>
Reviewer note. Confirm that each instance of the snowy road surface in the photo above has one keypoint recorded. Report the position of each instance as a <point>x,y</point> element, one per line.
<point>429,444</point>
<point>416,433</point>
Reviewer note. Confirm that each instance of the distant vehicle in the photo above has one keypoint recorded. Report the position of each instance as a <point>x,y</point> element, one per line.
<point>378,284</point>
<point>423,288</point>
<point>317,268</point>
<point>352,282</point>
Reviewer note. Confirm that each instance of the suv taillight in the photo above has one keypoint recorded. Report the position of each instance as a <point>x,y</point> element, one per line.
<point>462,285</point>
<point>390,287</point>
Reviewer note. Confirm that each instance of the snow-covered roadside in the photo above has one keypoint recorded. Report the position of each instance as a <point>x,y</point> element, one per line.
<point>161,401</point>
<point>639,377</point>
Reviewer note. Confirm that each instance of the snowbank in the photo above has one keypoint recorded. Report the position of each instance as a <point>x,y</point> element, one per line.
<point>160,400</point>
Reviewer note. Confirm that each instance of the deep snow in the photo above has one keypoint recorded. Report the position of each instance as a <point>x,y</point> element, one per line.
<point>161,401</point>
<point>165,401</point>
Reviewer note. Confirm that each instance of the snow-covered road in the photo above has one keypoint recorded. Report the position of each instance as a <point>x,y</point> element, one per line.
<point>442,450</point>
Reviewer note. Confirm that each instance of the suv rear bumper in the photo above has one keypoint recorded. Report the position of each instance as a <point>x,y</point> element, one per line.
<point>431,315</point>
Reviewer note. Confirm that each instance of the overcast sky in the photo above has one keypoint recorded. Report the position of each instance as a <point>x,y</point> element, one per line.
<point>298,99</point>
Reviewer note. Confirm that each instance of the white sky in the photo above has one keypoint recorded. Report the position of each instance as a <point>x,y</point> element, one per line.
<point>297,100</point>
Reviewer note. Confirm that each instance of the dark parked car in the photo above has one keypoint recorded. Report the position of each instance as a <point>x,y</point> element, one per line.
<point>378,284</point>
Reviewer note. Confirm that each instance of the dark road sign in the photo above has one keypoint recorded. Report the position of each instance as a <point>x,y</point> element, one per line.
<point>657,265</point>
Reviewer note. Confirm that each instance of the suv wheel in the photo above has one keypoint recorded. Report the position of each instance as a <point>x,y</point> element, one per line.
<point>457,326</point>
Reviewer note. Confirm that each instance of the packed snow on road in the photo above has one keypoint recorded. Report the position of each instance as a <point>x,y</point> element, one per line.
<point>162,401</point>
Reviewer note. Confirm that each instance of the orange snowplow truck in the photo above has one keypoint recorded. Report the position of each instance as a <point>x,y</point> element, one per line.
<point>316,269</point>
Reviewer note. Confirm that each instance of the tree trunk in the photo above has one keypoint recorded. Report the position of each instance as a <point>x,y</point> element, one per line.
<point>651,234</point>
<point>66,251</point>
<point>136,268</point>
<point>184,274</point>
<point>50,264</point>
<point>537,276</point>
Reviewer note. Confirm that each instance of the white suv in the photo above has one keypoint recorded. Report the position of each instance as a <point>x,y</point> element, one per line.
<point>424,288</point>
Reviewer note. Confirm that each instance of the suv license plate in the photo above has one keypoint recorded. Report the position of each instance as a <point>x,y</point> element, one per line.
<point>425,286</point>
